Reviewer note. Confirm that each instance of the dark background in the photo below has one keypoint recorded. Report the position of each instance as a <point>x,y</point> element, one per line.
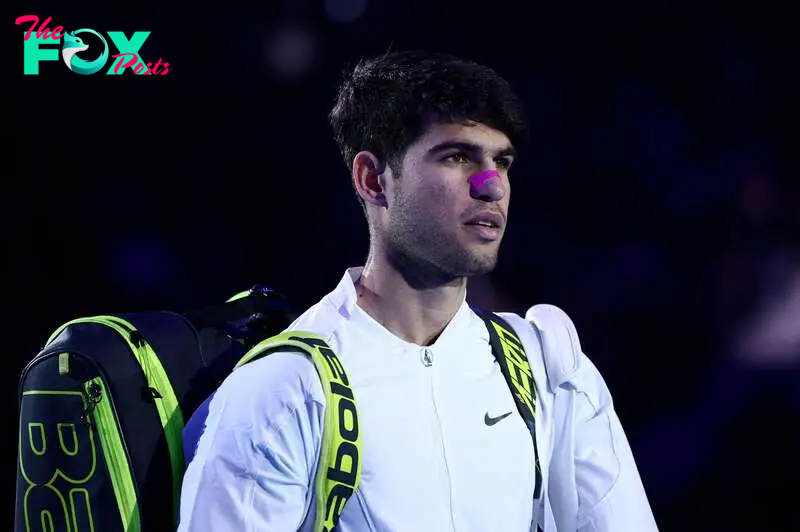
<point>659,204</point>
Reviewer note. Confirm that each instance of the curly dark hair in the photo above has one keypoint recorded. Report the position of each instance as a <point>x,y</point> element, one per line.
<point>386,103</point>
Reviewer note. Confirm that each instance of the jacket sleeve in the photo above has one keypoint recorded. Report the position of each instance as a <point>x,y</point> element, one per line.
<point>611,496</point>
<point>593,481</point>
<point>256,459</point>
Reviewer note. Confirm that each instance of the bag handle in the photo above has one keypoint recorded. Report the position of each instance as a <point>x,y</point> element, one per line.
<point>252,305</point>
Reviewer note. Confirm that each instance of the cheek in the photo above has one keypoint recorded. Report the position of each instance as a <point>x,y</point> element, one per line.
<point>437,195</point>
<point>431,196</point>
<point>440,193</point>
<point>441,201</point>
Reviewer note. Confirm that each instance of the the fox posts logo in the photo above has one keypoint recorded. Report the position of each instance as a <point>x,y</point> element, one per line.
<point>73,43</point>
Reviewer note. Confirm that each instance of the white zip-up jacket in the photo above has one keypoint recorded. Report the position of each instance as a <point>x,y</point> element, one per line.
<point>434,458</point>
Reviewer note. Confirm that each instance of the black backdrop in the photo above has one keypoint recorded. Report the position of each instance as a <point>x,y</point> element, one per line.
<point>659,204</point>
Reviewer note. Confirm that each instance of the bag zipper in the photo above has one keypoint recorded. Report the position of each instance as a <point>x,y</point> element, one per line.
<point>160,387</point>
<point>101,413</point>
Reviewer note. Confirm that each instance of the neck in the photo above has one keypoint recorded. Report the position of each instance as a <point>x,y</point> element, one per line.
<point>413,304</point>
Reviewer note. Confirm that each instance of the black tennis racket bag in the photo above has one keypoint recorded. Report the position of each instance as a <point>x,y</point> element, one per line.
<point>102,408</point>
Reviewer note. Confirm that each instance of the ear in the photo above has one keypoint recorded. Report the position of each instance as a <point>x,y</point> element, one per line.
<point>368,178</point>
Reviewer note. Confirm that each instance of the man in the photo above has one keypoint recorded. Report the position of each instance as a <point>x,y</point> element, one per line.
<point>429,140</point>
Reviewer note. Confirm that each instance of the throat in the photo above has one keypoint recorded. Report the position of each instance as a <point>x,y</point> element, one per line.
<point>404,318</point>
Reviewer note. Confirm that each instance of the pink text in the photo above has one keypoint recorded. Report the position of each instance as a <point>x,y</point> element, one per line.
<point>135,59</point>
<point>43,32</point>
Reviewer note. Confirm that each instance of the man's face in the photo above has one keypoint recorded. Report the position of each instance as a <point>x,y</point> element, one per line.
<point>438,211</point>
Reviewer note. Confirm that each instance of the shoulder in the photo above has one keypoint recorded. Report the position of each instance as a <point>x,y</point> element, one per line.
<point>550,336</point>
<point>269,389</point>
<point>281,380</point>
<point>322,318</point>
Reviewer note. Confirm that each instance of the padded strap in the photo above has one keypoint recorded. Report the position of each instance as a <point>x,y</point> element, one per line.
<point>561,347</point>
<point>509,352</point>
<point>339,470</point>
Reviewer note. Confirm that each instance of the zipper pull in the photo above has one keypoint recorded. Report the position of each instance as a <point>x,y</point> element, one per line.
<point>136,338</point>
<point>93,395</point>
<point>427,357</point>
<point>150,394</point>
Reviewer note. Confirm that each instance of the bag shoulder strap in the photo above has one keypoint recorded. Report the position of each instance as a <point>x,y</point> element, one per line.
<point>339,470</point>
<point>510,354</point>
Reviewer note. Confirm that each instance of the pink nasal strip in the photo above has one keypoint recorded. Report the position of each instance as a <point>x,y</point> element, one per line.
<point>479,179</point>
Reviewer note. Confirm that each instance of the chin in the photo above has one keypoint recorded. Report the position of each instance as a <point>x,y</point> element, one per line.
<point>478,265</point>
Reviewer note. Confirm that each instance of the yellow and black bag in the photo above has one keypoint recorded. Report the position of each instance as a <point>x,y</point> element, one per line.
<point>102,410</point>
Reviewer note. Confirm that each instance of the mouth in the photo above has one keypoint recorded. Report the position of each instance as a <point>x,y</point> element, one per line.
<point>487,225</point>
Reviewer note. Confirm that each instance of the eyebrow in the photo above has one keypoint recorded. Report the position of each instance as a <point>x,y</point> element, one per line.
<point>469,147</point>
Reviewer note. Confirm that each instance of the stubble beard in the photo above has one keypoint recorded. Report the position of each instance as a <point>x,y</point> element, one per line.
<point>422,249</point>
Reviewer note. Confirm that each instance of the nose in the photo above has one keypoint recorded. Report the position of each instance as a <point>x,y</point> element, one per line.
<point>487,186</point>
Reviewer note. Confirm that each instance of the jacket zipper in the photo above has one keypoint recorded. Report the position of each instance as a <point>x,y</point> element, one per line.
<point>427,357</point>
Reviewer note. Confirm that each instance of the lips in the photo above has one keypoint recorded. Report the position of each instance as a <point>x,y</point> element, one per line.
<point>487,226</point>
<point>488,219</point>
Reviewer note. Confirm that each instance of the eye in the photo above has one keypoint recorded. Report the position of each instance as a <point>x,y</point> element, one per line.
<point>458,157</point>
<point>503,163</point>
